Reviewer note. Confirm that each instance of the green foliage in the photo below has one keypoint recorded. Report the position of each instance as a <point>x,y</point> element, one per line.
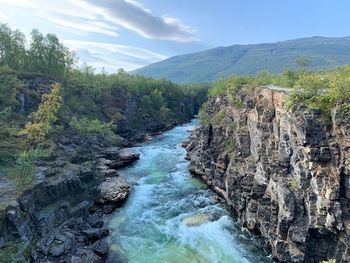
<point>293,183</point>
<point>45,55</point>
<point>218,118</point>
<point>329,261</point>
<point>8,253</point>
<point>203,116</point>
<point>37,130</point>
<point>91,127</point>
<point>235,102</point>
<point>231,84</point>
<point>303,61</point>
<point>24,170</point>
<point>323,90</point>
<point>230,143</point>
<point>287,78</point>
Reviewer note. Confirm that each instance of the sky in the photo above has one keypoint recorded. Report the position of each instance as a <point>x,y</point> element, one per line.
<point>129,34</point>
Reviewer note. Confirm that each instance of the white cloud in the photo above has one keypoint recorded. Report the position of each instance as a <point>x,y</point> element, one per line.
<point>134,16</point>
<point>70,14</point>
<point>112,56</point>
<point>80,24</point>
<point>103,16</point>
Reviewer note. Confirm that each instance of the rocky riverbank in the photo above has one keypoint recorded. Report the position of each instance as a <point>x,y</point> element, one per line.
<point>284,172</point>
<point>61,218</point>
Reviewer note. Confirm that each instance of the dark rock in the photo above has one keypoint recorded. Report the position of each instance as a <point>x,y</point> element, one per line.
<point>95,233</point>
<point>57,250</point>
<point>325,154</point>
<point>94,221</point>
<point>101,247</point>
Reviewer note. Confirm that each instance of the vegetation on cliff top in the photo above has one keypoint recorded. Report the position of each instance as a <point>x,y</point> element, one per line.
<point>309,89</point>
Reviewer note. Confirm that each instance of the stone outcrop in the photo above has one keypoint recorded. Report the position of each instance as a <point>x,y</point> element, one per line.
<point>284,172</point>
<point>61,218</point>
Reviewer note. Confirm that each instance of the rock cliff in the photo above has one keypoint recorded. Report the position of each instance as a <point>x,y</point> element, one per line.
<point>284,172</point>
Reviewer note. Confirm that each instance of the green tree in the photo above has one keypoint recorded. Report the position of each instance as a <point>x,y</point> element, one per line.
<point>303,62</point>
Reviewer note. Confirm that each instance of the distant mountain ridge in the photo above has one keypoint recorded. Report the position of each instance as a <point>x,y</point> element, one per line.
<point>322,52</point>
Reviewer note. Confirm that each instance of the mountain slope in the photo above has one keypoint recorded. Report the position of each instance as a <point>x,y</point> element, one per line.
<point>323,52</point>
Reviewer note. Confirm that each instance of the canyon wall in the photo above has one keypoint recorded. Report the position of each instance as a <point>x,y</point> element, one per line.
<point>284,172</point>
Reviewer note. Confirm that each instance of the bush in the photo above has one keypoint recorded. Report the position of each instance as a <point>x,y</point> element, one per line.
<point>235,101</point>
<point>329,261</point>
<point>24,170</point>
<point>218,118</point>
<point>230,143</point>
<point>204,117</point>
<point>8,253</point>
<point>293,182</point>
<point>91,127</point>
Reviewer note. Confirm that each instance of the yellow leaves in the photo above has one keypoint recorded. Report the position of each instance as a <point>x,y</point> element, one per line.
<point>49,106</point>
<point>40,127</point>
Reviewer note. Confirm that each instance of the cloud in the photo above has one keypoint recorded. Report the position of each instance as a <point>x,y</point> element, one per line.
<point>134,16</point>
<point>112,56</point>
<point>104,17</point>
<point>73,15</point>
<point>80,24</point>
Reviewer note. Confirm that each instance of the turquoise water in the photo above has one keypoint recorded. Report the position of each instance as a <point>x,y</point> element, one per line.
<point>171,216</point>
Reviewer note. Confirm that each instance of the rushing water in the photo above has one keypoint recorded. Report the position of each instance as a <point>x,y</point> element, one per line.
<point>171,217</point>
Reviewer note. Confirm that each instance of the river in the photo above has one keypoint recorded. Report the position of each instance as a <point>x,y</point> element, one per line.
<point>171,217</point>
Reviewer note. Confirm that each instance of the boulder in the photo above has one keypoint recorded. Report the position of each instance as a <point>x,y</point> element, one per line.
<point>113,191</point>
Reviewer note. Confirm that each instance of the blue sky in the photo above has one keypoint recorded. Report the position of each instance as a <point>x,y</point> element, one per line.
<point>133,33</point>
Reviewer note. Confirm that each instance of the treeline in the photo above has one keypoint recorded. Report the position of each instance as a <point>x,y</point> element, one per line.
<point>43,54</point>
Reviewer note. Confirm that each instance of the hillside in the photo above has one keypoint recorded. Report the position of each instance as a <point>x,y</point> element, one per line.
<point>322,52</point>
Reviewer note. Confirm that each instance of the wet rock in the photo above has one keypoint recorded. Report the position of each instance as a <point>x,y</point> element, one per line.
<point>101,247</point>
<point>94,221</point>
<point>95,233</point>
<point>196,220</point>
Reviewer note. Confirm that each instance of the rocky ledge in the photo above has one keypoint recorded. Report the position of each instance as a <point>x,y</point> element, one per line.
<point>284,172</point>
<point>61,218</point>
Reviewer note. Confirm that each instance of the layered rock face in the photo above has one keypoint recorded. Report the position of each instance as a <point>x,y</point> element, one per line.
<point>61,219</point>
<point>285,173</point>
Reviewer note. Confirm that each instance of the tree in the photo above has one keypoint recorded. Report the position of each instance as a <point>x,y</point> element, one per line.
<point>37,130</point>
<point>303,62</point>
<point>5,44</point>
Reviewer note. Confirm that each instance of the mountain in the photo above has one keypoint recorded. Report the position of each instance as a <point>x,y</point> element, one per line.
<point>322,52</point>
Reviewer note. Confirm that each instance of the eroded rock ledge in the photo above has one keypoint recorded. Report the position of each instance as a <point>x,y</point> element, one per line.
<point>61,219</point>
<point>285,173</point>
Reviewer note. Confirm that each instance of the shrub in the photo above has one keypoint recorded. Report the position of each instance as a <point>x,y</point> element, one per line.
<point>293,182</point>
<point>8,253</point>
<point>25,168</point>
<point>235,102</point>
<point>204,117</point>
<point>218,118</point>
<point>230,143</point>
<point>91,127</point>
<point>329,261</point>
